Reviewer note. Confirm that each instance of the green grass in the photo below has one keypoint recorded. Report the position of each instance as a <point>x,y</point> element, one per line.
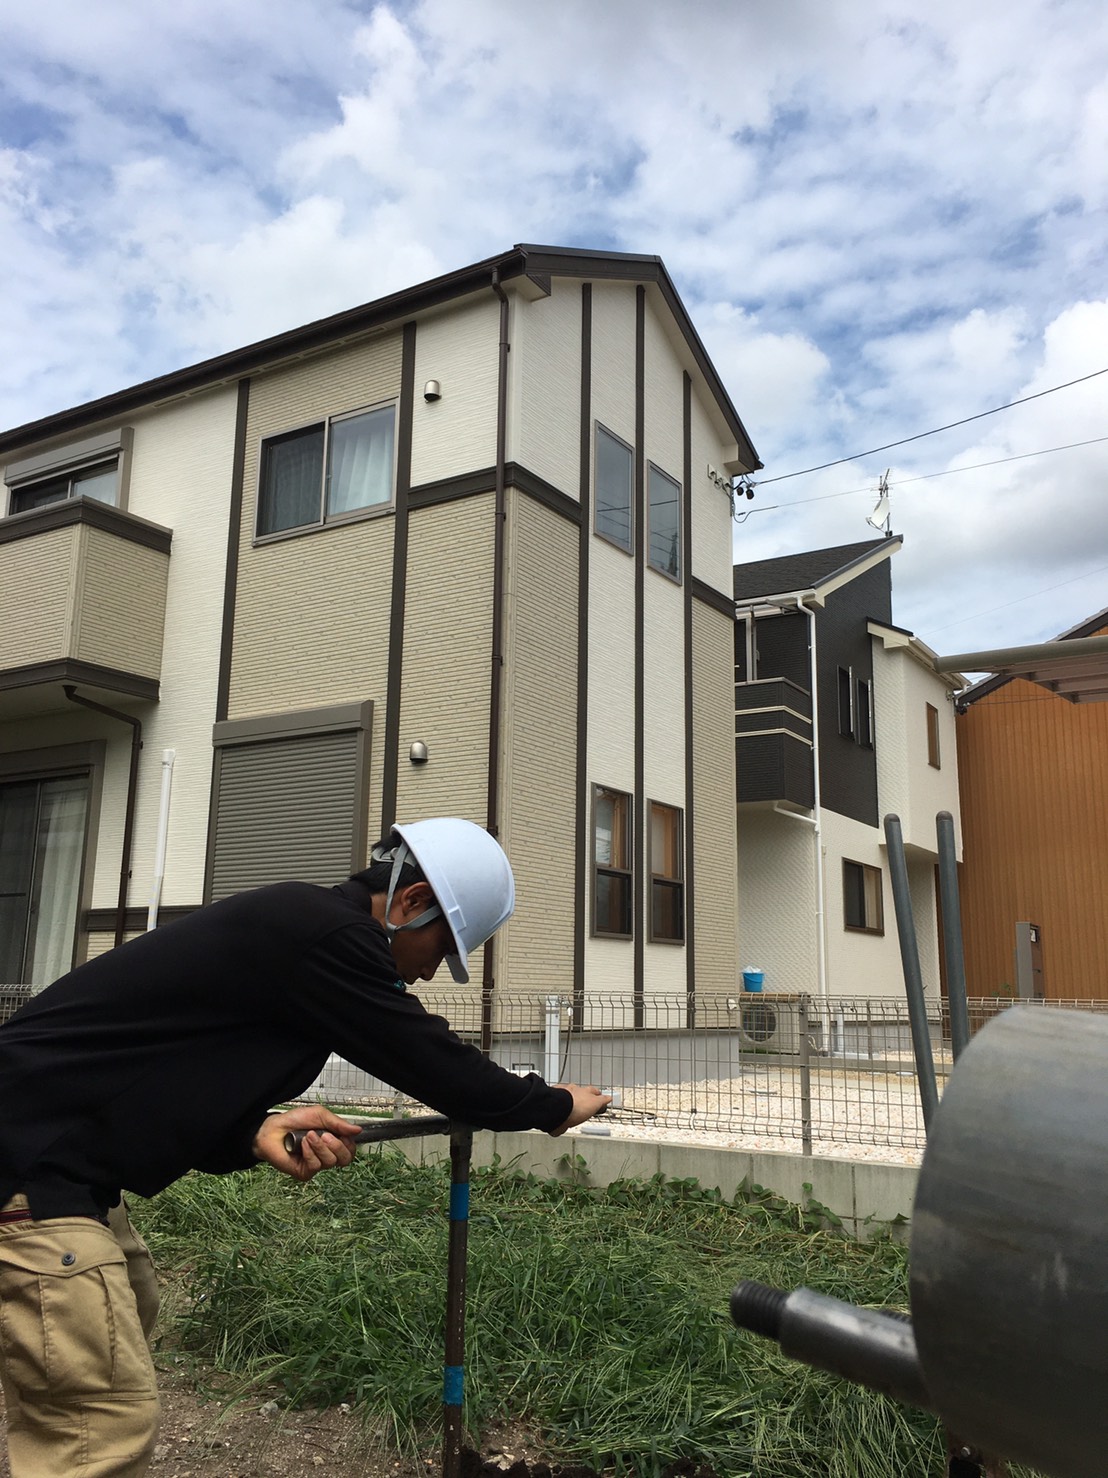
<point>598,1317</point>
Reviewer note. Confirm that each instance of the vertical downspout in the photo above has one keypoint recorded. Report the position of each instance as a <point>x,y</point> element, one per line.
<point>817,829</point>
<point>129,811</point>
<point>488,981</point>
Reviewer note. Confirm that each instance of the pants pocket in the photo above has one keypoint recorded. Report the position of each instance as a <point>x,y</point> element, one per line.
<point>69,1325</point>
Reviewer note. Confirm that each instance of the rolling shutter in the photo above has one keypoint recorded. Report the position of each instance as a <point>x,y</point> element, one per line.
<point>288,807</point>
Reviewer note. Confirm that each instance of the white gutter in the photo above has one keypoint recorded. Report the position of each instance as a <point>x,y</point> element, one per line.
<point>817,808</point>
<point>168,758</point>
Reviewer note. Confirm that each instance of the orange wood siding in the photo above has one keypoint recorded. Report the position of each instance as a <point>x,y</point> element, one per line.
<point>1033,773</point>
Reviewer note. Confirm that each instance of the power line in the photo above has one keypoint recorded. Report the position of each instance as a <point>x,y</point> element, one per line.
<point>927,476</point>
<point>1020,598</point>
<point>921,434</point>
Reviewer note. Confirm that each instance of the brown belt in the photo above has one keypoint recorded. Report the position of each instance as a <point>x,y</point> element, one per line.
<point>18,1215</point>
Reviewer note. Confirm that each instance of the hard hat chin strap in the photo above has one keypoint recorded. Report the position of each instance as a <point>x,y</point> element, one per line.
<point>399,855</point>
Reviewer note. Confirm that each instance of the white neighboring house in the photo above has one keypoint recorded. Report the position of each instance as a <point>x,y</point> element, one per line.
<point>816,780</point>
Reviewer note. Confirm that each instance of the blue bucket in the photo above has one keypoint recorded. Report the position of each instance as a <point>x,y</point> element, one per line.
<point>753,979</point>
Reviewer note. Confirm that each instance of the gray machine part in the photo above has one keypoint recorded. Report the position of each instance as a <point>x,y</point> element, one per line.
<point>1009,1250</point>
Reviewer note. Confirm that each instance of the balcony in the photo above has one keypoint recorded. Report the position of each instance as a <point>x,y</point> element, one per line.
<point>773,742</point>
<point>82,600</point>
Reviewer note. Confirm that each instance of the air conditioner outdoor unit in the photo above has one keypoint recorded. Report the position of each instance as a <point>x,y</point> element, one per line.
<point>768,1023</point>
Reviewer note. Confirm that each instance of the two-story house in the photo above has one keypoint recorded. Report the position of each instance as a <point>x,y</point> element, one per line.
<point>465,549</point>
<point>841,719</point>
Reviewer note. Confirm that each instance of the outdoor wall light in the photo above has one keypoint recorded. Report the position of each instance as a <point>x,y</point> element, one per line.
<point>418,753</point>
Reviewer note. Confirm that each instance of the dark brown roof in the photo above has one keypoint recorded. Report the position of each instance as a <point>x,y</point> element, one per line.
<point>539,263</point>
<point>807,571</point>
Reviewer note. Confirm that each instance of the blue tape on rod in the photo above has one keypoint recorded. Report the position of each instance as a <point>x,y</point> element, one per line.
<point>459,1202</point>
<point>453,1381</point>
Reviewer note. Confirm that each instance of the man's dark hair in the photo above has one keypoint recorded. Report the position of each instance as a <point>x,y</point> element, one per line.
<point>376,876</point>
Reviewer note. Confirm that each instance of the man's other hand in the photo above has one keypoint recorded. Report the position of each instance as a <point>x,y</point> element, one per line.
<point>327,1143</point>
<point>587,1102</point>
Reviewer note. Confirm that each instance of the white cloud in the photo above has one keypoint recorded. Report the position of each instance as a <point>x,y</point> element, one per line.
<point>882,218</point>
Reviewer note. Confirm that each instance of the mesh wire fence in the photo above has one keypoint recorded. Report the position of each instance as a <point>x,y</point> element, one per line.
<point>774,1067</point>
<point>769,1067</point>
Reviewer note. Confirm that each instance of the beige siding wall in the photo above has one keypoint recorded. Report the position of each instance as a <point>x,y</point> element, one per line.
<point>447,661</point>
<point>119,603</point>
<point>181,478</point>
<point>36,578</point>
<point>613,358</point>
<point>461,350</point>
<point>611,727</point>
<point>714,842</point>
<point>713,530</point>
<point>312,611</point>
<point>544,416</point>
<point>540,747</point>
<point>777,900</point>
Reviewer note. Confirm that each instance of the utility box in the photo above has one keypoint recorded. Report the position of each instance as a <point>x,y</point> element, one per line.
<point>1029,962</point>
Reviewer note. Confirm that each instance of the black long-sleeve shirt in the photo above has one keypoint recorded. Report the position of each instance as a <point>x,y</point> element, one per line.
<point>165,1054</point>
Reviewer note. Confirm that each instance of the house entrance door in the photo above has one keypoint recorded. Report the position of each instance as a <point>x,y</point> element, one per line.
<point>43,824</point>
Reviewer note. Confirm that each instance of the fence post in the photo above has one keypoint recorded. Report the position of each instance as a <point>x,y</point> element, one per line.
<point>552,1040</point>
<point>805,1079</point>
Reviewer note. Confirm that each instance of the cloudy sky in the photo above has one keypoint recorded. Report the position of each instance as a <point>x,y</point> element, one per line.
<point>884,217</point>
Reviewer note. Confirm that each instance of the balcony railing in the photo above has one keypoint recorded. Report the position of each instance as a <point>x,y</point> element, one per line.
<point>773,741</point>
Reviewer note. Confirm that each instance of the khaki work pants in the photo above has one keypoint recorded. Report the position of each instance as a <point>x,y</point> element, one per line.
<point>77,1307</point>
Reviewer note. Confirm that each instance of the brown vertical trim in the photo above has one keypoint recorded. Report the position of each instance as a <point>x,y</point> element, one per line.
<point>641,881</point>
<point>496,678</point>
<point>582,819</point>
<point>234,536</point>
<point>394,683</point>
<point>690,773</point>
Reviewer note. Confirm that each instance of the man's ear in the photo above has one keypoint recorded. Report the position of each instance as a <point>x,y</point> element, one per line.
<point>416,898</point>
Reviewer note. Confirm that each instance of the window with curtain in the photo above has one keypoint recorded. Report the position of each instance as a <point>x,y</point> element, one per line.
<point>42,846</point>
<point>611,871</point>
<point>613,489</point>
<point>100,481</point>
<point>667,887</point>
<point>664,542</point>
<point>336,468</point>
<point>863,908</point>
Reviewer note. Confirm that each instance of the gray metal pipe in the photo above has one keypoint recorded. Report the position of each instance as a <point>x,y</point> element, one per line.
<point>1009,1274</point>
<point>953,954</point>
<point>913,979</point>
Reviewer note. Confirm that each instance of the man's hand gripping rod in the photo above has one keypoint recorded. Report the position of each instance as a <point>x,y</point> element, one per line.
<point>374,1130</point>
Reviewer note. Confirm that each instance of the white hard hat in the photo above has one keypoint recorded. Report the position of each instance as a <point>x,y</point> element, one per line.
<point>468,873</point>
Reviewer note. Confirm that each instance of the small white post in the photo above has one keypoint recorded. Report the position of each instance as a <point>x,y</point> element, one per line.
<point>552,1040</point>
<point>168,758</point>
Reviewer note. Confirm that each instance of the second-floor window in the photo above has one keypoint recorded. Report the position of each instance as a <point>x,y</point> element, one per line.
<point>100,480</point>
<point>933,756</point>
<point>613,489</point>
<point>326,471</point>
<point>664,523</point>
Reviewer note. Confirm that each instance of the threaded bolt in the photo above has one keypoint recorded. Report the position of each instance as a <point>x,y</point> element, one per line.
<point>759,1308</point>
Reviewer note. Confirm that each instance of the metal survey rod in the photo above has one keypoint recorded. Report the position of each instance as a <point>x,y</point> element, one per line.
<point>871,1348</point>
<point>453,1373</point>
<point>953,953</point>
<point>373,1130</point>
<point>913,978</point>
